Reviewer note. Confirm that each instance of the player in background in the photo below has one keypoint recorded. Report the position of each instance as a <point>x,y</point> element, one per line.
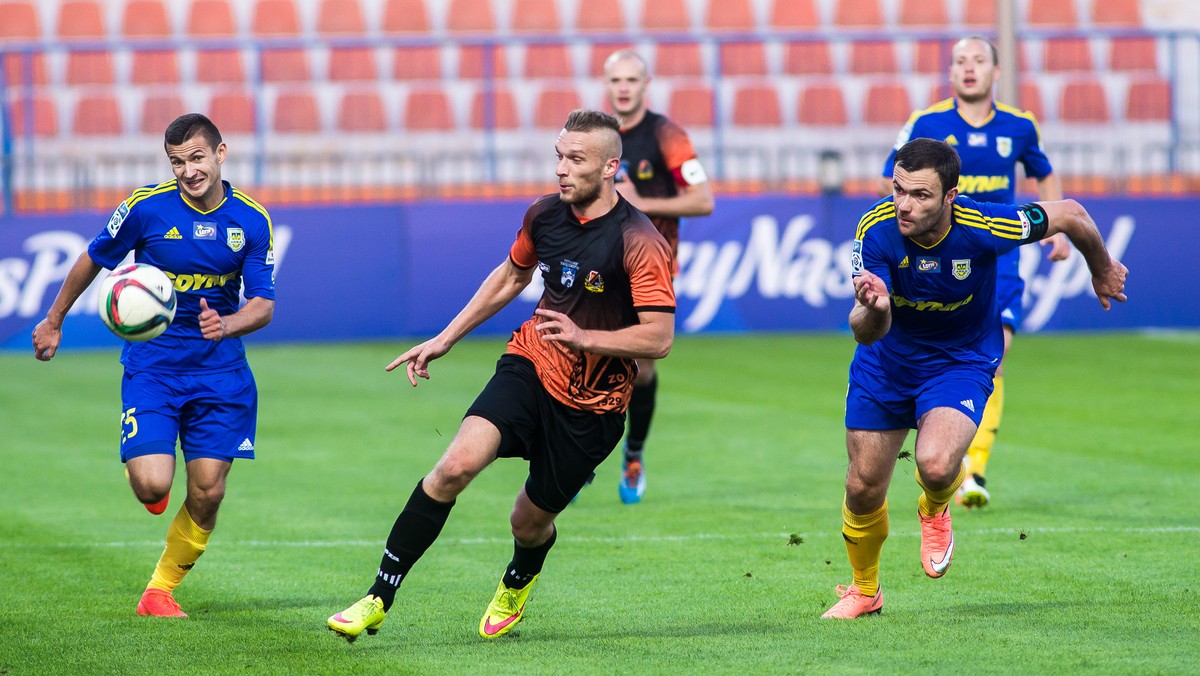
<point>991,139</point>
<point>559,394</point>
<point>661,176</point>
<point>192,382</point>
<point>929,333</point>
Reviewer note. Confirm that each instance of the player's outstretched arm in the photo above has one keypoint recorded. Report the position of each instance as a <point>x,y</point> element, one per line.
<point>48,333</point>
<point>1108,275</point>
<point>871,317</point>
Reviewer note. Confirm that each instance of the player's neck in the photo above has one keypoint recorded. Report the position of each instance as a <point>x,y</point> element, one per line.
<point>597,207</point>
<point>975,112</point>
<point>633,119</point>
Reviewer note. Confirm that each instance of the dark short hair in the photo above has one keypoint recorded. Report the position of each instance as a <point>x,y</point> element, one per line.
<point>927,153</point>
<point>991,45</point>
<point>188,125</point>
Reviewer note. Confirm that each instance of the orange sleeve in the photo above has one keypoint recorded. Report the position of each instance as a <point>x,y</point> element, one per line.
<point>648,264</point>
<point>522,253</point>
<point>676,149</point>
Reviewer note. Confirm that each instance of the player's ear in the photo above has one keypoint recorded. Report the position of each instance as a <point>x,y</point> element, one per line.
<point>221,153</point>
<point>611,167</point>
<point>950,195</point>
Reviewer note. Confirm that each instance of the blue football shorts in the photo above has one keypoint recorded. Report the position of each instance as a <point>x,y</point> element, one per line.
<point>875,401</point>
<point>213,415</point>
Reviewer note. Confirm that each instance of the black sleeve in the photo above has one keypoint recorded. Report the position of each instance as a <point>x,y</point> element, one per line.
<point>1035,220</point>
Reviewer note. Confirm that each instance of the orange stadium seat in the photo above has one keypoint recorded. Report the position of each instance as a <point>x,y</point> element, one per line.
<point>417,63</point>
<point>665,15</point>
<point>552,106</point>
<point>471,16</point>
<point>536,16</point>
<point>1030,99</point>
<point>887,104</point>
<point>156,67</point>
<point>233,112</point>
<point>503,110</point>
<point>729,15</point>
<point>923,13</point>
<point>296,111</point>
<point>822,105</point>
<point>90,68</point>
<point>275,17</point>
<point>21,68</point>
<point>1066,54</point>
<point>158,111</point>
<point>37,116</point>
<point>145,19</point>
<point>756,106</point>
<point>1083,101</point>
<point>807,58</point>
<point>361,111</point>
<point>601,16</point>
<point>405,16</point>
<point>1148,101</point>
<point>872,57</point>
<point>980,13</point>
<point>743,58</point>
<point>81,19</point>
<point>793,14</point>
<point>1058,13</point>
<point>19,21</point>
<point>691,106</point>
<point>284,65</point>
<point>600,53</point>
<point>219,65</point>
<point>211,19</point>
<point>1133,54</point>
<point>858,13</point>
<point>932,56</point>
<point>97,115</point>
<point>548,61</point>
<point>352,63</point>
<point>1116,13</point>
<point>340,17</point>
<point>428,110</point>
<point>472,64</point>
<point>678,59</point>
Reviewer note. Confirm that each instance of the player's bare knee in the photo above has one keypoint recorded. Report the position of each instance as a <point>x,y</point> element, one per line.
<point>939,472</point>
<point>449,478</point>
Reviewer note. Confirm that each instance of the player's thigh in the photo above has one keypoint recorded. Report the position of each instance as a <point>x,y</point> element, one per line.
<point>570,445</point>
<point>220,417</point>
<point>949,409</point>
<point>150,413</point>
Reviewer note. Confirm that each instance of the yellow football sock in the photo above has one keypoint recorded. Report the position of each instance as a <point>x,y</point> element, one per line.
<point>931,503</point>
<point>864,536</point>
<point>981,445</point>
<point>185,543</point>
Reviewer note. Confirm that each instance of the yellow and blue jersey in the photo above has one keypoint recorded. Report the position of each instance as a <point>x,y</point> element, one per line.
<point>207,254</point>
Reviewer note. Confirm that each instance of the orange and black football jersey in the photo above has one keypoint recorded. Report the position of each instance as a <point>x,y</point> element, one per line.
<point>653,157</point>
<point>601,274</point>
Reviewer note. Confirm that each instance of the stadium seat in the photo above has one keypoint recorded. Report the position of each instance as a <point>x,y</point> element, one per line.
<point>807,58</point>
<point>352,63</point>
<point>923,13</point>
<point>872,57</point>
<point>1133,54</point>
<point>980,13</point>
<point>543,61</point>
<point>743,58</point>
<point>156,67</point>
<point>145,19</point>
<point>158,111</point>
<point>233,112</point>
<point>537,16</point>
<point>405,16</point>
<point>665,15</point>
<point>503,110</point>
<point>219,65</point>
<point>472,64</point>
<point>211,19</point>
<point>932,56</point>
<point>19,21</point>
<point>887,104</point>
<point>81,19</point>
<point>858,13</point>
<point>756,106</point>
<point>602,16</point>
<point>1066,55</point>
<point>24,68</point>
<point>428,110</point>
<point>1053,13</point>
<point>296,112</point>
<point>362,112</point>
<point>97,115</point>
<point>37,116</point>
<point>470,16</point>
<point>1029,95</point>
<point>1116,13</point>
<point>678,59</point>
<point>729,15</point>
<point>284,65</point>
<point>552,106</point>
<point>691,106</point>
<point>822,105</point>
<point>340,17</point>
<point>600,53</point>
<point>275,17</point>
<point>1148,101</point>
<point>1083,101</point>
<point>84,68</point>
<point>417,63</point>
<point>793,15</point>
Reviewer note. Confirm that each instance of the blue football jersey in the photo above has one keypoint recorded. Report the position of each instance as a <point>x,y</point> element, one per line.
<point>943,297</point>
<point>207,254</point>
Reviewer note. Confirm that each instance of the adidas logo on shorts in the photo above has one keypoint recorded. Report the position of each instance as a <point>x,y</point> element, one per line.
<point>247,445</point>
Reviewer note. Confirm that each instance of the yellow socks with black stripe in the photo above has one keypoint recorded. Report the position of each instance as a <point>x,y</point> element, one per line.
<point>185,543</point>
<point>864,536</point>
<point>932,503</point>
<point>985,437</point>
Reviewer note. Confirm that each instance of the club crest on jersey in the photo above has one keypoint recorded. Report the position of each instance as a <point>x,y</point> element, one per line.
<point>201,230</point>
<point>235,238</point>
<point>929,264</point>
<point>961,268</point>
<point>118,217</point>
<point>594,282</point>
<point>1004,145</point>
<point>569,270</point>
<point>645,171</point>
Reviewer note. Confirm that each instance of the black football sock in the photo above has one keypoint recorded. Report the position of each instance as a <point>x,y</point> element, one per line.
<point>415,529</point>
<point>641,410</point>
<point>527,562</point>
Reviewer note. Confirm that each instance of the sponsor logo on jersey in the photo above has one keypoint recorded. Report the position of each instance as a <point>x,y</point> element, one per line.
<point>198,280</point>
<point>235,238</point>
<point>645,170</point>
<point>934,305</point>
<point>202,230</point>
<point>569,270</point>
<point>977,139</point>
<point>1004,145</point>
<point>693,172</point>
<point>594,282</point>
<point>973,185</point>
<point>903,263</point>
<point>961,268</point>
<point>173,233</point>
<point>118,217</point>
<point>929,264</point>
<point>856,261</point>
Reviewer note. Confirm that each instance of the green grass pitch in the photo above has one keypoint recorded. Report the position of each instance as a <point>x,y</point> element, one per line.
<point>1086,561</point>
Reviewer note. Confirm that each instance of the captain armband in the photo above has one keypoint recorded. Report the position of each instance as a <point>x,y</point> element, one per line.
<point>1034,222</point>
